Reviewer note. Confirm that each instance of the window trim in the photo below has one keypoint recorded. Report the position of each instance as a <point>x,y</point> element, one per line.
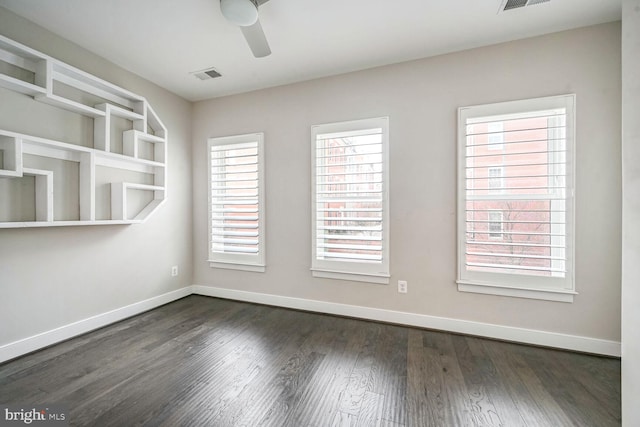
<point>241,262</point>
<point>515,285</point>
<point>346,270</point>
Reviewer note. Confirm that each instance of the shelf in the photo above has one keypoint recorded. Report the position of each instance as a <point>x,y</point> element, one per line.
<point>131,144</point>
<point>44,142</point>
<point>141,136</point>
<point>120,103</point>
<point>20,50</point>
<point>20,86</point>
<point>119,112</point>
<point>119,203</point>
<point>15,145</point>
<point>119,161</point>
<point>67,104</point>
<point>91,84</point>
<point>134,186</point>
<point>64,151</point>
<point>32,224</point>
<point>11,147</point>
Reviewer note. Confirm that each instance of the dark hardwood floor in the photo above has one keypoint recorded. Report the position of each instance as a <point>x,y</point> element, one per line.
<point>203,361</point>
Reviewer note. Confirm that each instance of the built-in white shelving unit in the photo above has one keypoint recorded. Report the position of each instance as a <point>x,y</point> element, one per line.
<point>143,143</point>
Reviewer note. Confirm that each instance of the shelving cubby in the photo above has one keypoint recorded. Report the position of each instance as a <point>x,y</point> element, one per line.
<point>48,80</point>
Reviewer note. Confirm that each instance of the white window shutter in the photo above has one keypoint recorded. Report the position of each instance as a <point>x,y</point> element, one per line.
<point>236,192</point>
<point>516,202</point>
<point>350,204</point>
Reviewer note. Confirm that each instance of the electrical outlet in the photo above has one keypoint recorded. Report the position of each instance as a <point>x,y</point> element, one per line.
<point>402,286</point>
<point>174,270</point>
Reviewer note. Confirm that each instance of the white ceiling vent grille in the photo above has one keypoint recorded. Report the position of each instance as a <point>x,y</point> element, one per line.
<point>209,73</point>
<point>506,5</point>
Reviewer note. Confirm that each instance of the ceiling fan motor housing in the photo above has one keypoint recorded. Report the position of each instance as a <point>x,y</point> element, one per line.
<point>243,13</point>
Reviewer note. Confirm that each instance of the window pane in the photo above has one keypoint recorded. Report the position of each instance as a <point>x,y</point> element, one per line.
<point>515,198</point>
<point>349,196</point>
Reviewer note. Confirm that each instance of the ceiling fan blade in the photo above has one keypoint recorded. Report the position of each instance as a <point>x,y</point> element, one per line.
<point>257,40</point>
<point>262,2</point>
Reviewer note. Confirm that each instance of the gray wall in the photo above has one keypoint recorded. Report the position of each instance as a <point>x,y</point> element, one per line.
<point>52,277</point>
<point>55,276</point>
<point>421,98</point>
<point>631,212</point>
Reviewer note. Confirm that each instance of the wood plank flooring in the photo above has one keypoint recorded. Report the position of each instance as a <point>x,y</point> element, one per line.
<point>203,361</point>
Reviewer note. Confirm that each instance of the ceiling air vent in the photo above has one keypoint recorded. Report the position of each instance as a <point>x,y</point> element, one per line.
<point>209,73</point>
<point>516,4</point>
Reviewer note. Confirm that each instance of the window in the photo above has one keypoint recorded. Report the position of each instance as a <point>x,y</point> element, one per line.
<point>515,208</point>
<point>495,224</point>
<point>495,181</point>
<point>495,136</point>
<point>236,202</point>
<point>350,204</point>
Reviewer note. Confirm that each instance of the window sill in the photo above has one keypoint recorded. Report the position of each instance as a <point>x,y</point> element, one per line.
<point>380,279</point>
<point>242,267</point>
<point>531,293</point>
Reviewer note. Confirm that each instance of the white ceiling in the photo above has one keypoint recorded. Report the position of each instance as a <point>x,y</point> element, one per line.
<point>164,40</point>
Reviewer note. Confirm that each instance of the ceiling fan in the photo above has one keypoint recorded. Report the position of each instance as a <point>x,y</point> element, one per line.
<point>244,13</point>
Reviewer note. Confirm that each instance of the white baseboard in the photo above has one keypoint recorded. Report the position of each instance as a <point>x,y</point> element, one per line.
<point>527,336</point>
<point>36,342</point>
<point>507,333</point>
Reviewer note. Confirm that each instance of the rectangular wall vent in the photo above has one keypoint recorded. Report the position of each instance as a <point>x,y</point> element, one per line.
<point>209,73</point>
<point>516,4</point>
